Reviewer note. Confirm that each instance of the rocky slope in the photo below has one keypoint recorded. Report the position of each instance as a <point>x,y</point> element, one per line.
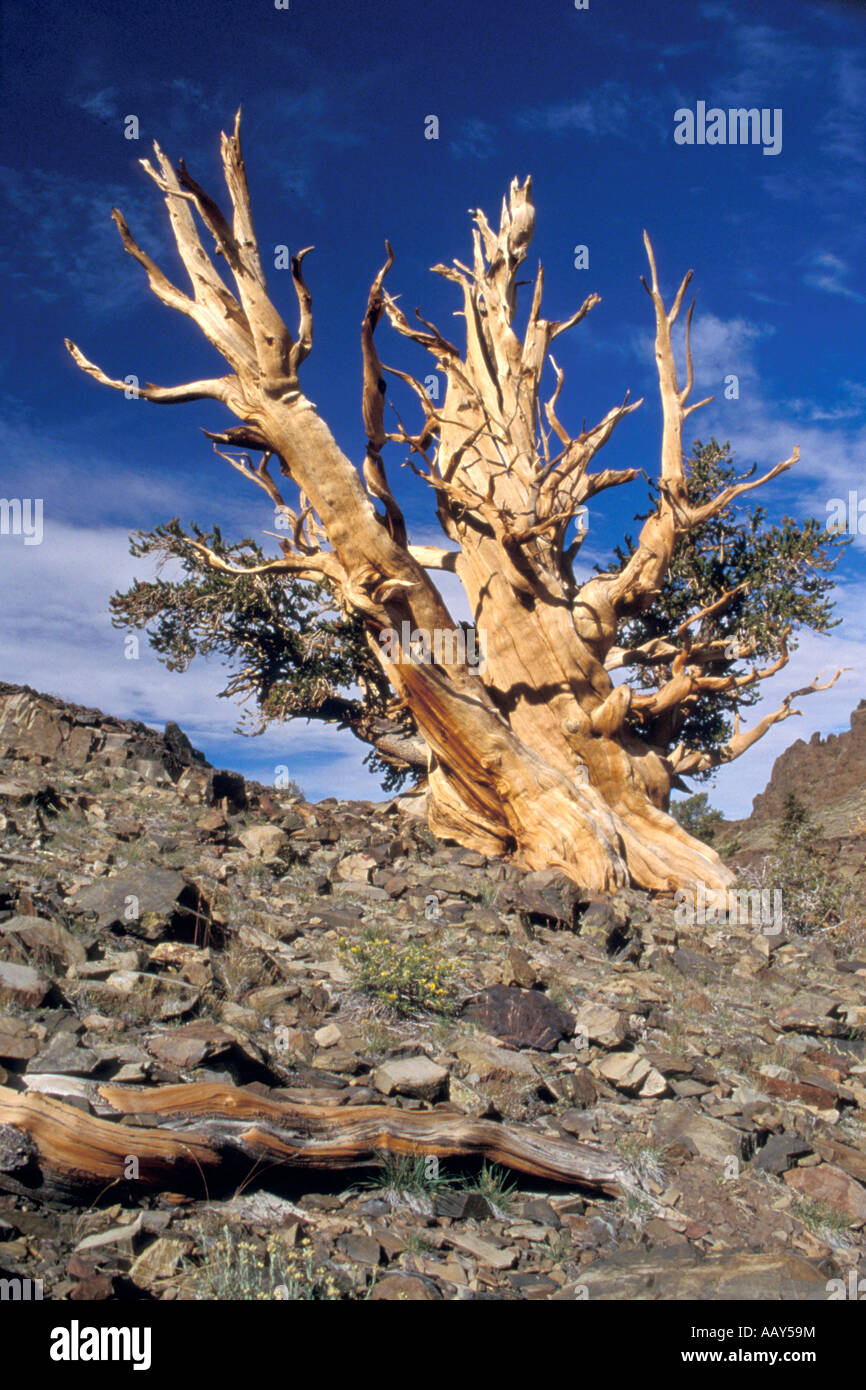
<point>821,772</point>
<point>723,1068</point>
<point>828,776</point>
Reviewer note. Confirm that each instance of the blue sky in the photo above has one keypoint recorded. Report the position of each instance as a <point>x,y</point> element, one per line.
<point>335,99</point>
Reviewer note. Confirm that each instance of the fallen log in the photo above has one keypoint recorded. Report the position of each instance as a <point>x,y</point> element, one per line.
<point>167,1138</point>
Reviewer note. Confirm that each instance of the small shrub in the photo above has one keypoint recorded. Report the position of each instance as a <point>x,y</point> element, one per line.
<point>796,819</point>
<point>404,977</point>
<point>813,897</point>
<point>377,1039</point>
<point>236,1269</point>
<point>644,1159</point>
<point>416,1244</point>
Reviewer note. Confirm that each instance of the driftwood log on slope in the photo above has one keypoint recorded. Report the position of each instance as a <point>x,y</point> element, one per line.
<point>166,1138</point>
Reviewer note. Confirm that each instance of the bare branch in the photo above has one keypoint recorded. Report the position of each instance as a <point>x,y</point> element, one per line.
<point>272,340</point>
<point>303,345</point>
<point>218,389</point>
<point>719,605</point>
<point>161,286</point>
<point>697,515</point>
<point>435,557</point>
<point>684,761</point>
<point>635,587</point>
<point>678,300</point>
<point>259,475</point>
<point>690,366</point>
<point>373,396</point>
<point>432,341</point>
<point>308,566</point>
<point>221,317</point>
<point>557,328</point>
<point>550,408</point>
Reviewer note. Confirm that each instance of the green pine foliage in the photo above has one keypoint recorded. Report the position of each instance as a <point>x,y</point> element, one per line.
<point>787,569</point>
<point>292,652</point>
<point>696,816</point>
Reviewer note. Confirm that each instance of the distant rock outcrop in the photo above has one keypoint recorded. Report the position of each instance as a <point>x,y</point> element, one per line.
<point>818,772</point>
<point>40,728</point>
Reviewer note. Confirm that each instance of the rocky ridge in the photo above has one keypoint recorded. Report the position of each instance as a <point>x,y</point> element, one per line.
<point>828,777</point>
<point>820,772</point>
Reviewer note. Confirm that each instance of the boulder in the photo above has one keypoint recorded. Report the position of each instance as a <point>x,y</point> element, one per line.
<point>600,1024</point>
<point>263,841</point>
<point>548,897</point>
<point>676,1124</point>
<point>631,1073</point>
<point>23,984</point>
<point>160,996</point>
<point>17,1043</point>
<point>831,1185</point>
<point>484,1061</point>
<point>149,902</point>
<point>520,1017</point>
<point>356,868</point>
<point>411,1076</point>
<point>50,938</point>
<point>64,1057</point>
<point>606,922</point>
<point>679,1273</point>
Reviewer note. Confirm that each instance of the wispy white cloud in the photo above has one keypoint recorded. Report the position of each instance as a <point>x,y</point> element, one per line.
<point>101,104</point>
<point>81,480</point>
<point>720,347</point>
<point>56,635</point>
<point>762,58</point>
<point>841,125</point>
<point>314,122</point>
<point>850,405</point>
<point>829,272</point>
<point>62,222</point>
<point>475,139</point>
<point>613,108</point>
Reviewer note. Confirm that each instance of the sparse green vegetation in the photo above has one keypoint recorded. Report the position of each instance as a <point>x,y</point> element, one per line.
<point>696,816</point>
<point>494,1184</point>
<point>822,1219</point>
<point>421,1175</point>
<point>237,1269</point>
<point>407,1175</point>
<point>813,899</point>
<point>488,894</point>
<point>643,1157</point>
<point>377,1039</point>
<point>403,977</point>
<point>417,1245</point>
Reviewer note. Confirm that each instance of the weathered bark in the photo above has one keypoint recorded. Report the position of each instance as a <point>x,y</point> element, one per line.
<point>535,754</point>
<point>182,1136</point>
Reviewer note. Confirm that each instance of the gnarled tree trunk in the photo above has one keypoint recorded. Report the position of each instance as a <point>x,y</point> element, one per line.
<point>535,752</point>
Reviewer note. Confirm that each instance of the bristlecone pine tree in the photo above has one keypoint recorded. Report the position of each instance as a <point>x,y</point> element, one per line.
<point>537,753</point>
